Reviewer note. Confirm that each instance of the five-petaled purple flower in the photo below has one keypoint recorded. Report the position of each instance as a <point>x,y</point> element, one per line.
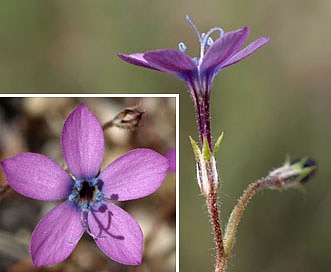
<point>199,73</point>
<point>86,191</point>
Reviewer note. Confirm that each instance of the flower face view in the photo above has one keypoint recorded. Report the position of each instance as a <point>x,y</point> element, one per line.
<point>198,73</point>
<point>86,192</point>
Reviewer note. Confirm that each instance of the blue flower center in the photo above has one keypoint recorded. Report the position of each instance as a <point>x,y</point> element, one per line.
<point>205,40</point>
<point>85,193</point>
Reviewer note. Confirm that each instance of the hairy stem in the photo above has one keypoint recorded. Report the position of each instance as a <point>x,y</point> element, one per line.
<point>212,204</point>
<point>237,213</point>
<point>209,185</point>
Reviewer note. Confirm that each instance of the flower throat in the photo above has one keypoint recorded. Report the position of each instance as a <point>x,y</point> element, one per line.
<point>86,192</point>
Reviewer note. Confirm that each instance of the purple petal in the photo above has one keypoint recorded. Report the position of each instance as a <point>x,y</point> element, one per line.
<point>222,49</point>
<point>171,61</point>
<point>56,235</point>
<point>117,233</point>
<point>171,156</point>
<point>36,176</point>
<point>137,59</point>
<point>82,143</point>
<point>249,49</point>
<point>136,174</point>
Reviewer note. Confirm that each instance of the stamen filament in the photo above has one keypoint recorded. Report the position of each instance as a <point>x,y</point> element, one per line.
<point>212,30</point>
<point>206,41</point>
<point>84,222</point>
<point>76,241</point>
<point>195,29</point>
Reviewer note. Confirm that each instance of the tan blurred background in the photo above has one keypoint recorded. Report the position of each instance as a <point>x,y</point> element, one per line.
<point>276,102</point>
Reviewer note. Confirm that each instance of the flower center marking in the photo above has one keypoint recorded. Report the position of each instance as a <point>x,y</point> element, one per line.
<point>85,193</point>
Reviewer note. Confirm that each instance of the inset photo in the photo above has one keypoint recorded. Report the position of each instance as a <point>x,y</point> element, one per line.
<point>88,183</point>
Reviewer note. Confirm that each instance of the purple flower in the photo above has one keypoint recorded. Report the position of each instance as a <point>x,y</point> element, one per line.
<point>87,192</point>
<point>198,73</point>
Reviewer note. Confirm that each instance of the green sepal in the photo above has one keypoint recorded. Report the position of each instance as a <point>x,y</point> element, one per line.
<point>218,143</point>
<point>296,172</point>
<point>305,172</point>
<point>196,150</point>
<point>287,160</point>
<point>300,164</point>
<point>206,151</point>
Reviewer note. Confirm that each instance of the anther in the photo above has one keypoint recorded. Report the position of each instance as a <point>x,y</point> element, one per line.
<point>73,196</point>
<point>85,206</point>
<point>99,196</point>
<point>196,61</point>
<point>78,185</point>
<point>182,47</point>
<point>210,41</point>
<point>93,182</point>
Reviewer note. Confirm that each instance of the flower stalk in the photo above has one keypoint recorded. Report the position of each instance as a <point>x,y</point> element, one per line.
<point>290,175</point>
<point>235,216</point>
<point>213,210</point>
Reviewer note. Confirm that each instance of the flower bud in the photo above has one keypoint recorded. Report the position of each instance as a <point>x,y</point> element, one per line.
<point>292,173</point>
<point>129,118</point>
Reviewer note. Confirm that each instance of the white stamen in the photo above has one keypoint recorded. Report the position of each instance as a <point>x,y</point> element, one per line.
<point>182,47</point>
<point>84,222</point>
<point>210,41</point>
<point>193,27</point>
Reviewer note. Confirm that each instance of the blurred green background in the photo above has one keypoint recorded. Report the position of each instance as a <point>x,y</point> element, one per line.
<point>276,102</point>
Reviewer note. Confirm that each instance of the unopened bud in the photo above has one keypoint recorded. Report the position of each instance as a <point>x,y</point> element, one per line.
<point>292,173</point>
<point>129,118</point>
